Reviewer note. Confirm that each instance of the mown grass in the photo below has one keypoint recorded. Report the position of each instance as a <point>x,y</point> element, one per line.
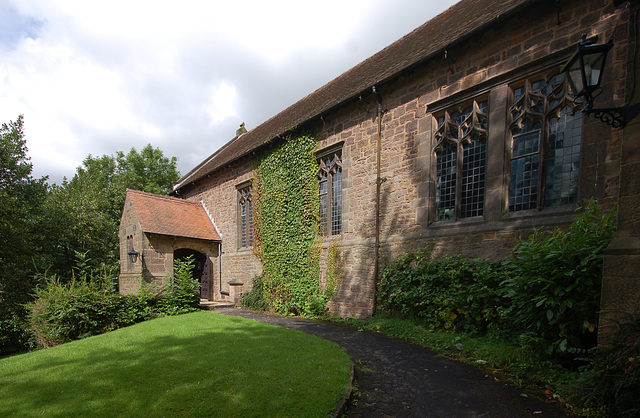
<point>198,364</point>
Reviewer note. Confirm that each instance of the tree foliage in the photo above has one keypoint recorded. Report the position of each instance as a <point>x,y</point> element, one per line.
<point>21,236</point>
<point>43,228</point>
<point>87,209</point>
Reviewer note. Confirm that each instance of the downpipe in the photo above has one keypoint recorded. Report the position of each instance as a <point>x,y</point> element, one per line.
<point>379,182</point>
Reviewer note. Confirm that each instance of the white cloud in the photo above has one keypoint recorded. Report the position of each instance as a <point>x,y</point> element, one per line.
<point>96,77</point>
<point>223,103</point>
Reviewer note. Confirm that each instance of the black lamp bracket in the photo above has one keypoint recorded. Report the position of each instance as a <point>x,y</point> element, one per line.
<point>616,117</point>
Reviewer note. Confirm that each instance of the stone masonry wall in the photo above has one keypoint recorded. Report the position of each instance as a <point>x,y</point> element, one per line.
<point>538,40</point>
<point>219,193</point>
<point>621,281</point>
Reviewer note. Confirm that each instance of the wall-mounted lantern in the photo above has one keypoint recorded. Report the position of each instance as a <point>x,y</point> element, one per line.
<point>584,72</point>
<point>133,255</point>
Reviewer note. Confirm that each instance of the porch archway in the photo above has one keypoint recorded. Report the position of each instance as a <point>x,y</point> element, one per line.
<point>201,269</point>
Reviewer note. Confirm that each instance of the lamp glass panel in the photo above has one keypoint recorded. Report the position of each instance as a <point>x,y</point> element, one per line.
<point>574,72</point>
<point>593,68</point>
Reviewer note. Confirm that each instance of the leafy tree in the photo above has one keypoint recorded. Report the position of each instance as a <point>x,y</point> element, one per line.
<point>149,170</point>
<point>88,208</point>
<point>43,228</point>
<point>21,236</point>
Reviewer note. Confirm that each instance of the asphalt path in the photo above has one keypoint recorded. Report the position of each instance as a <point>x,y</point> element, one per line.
<point>394,378</point>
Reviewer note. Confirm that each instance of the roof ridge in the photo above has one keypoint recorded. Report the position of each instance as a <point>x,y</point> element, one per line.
<point>162,197</point>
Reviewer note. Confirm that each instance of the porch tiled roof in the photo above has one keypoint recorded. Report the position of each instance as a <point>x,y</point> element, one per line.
<point>456,24</point>
<point>171,216</point>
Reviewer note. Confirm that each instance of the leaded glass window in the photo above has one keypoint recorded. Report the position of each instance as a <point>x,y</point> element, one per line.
<point>545,150</point>
<point>446,176</point>
<point>245,221</point>
<point>461,154</point>
<point>330,192</point>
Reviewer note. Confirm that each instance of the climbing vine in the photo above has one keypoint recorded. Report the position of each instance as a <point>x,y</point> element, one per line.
<point>334,273</point>
<point>286,227</point>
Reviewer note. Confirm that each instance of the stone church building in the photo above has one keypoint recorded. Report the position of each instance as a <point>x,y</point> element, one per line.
<point>464,136</point>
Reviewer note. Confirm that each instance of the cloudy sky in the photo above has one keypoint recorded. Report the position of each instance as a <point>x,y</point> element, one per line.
<point>96,77</point>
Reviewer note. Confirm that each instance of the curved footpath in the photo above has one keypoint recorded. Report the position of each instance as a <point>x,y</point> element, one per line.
<point>395,378</point>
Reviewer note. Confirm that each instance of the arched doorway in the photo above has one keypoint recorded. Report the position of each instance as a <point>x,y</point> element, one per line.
<point>200,271</point>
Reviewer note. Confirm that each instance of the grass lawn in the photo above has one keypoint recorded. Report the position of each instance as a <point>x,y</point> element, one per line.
<point>199,364</point>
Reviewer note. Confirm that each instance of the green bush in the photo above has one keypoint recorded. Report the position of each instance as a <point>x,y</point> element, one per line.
<point>182,295</point>
<point>65,312</point>
<point>254,298</point>
<point>14,329</point>
<point>613,378</point>
<point>88,305</point>
<point>545,296</point>
<point>448,292</point>
<point>555,283</point>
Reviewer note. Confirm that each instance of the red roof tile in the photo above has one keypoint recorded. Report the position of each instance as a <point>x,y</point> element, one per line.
<point>456,24</point>
<point>172,216</point>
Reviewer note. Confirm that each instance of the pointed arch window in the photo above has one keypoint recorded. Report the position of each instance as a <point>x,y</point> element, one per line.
<point>330,192</point>
<point>461,155</point>
<point>245,217</point>
<point>545,129</point>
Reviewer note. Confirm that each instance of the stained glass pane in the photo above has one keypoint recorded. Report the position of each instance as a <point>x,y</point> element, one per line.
<point>527,143</point>
<point>250,222</point>
<point>559,138</point>
<point>245,222</point>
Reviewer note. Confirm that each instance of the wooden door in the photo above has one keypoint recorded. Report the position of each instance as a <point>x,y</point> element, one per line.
<point>205,280</point>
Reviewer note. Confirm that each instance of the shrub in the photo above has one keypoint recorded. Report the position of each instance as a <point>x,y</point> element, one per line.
<point>555,283</point>
<point>88,305</point>
<point>613,379</point>
<point>182,295</point>
<point>254,299</point>
<point>448,292</point>
<point>65,312</point>
<point>14,329</point>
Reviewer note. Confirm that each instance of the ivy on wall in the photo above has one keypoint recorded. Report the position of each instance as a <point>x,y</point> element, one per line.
<point>286,227</point>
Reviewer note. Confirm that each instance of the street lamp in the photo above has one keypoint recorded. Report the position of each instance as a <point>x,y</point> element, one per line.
<point>584,72</point>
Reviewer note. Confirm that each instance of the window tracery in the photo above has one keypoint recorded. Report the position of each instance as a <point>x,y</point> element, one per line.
<point>245,223</point>
<point>330,193</point>
<point>460,150</point>
<point>545,132</point>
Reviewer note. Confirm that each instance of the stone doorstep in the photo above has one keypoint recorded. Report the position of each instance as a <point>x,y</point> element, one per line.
<point>211,305</point>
